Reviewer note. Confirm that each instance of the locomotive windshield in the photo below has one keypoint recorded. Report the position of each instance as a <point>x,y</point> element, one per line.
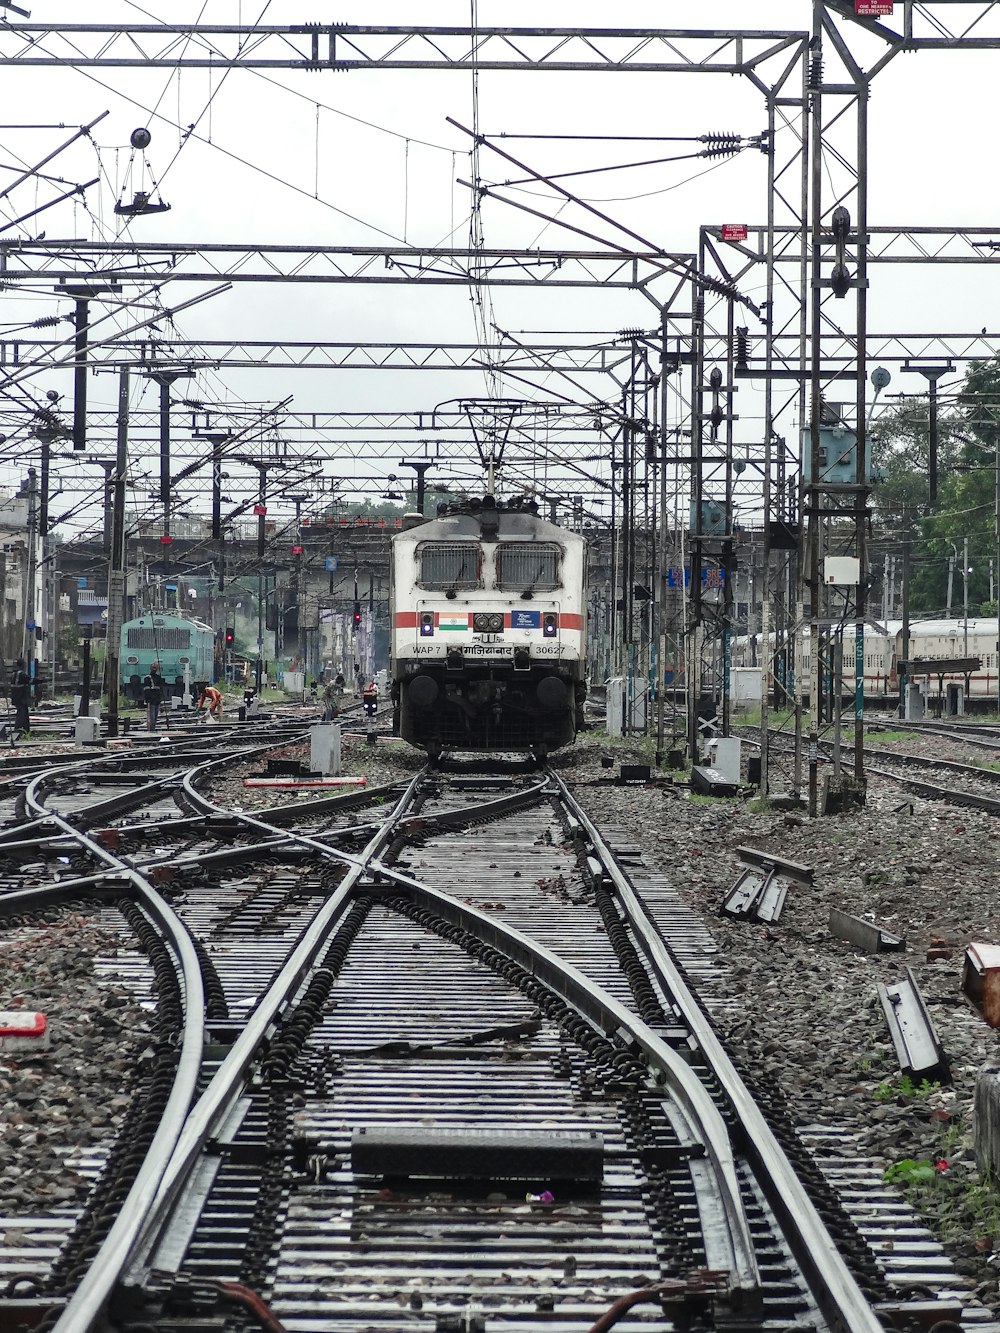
<point>527,566</point>
<point>449,565</point>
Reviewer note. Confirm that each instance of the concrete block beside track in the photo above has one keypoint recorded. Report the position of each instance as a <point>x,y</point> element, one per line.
<point>986,1120</point>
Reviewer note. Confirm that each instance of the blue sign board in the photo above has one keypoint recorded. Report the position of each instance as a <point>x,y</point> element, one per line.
<point>331,564</point>
<point>82,583</point>
<point>525,619</point>
<point>712,576</point>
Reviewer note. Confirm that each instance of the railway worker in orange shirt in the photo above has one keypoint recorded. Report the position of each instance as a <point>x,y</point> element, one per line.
<point>213,698</point>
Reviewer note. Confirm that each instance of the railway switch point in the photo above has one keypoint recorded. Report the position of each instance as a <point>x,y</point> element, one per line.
<point>23,1030</point>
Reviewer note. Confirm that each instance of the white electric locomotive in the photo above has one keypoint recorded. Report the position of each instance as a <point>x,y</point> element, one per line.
<point>488,608</point>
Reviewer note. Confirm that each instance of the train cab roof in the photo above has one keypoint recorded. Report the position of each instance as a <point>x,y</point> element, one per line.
<point>167,620</point>
<point>484,519</point>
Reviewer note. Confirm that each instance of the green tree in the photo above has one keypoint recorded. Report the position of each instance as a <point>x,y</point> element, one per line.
<point>968,438</point>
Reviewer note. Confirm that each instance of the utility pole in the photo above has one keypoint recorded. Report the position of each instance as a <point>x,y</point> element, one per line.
<point>931,373</point>
<point>260,510</point>
<point>82,296</point>
<point>6,650</point>
<point>109,502</point>
<point>420,467</point>
<point>965,597</point>
<point>47,428</point>
<point>904,636</point>
<point>116,572</point>
<point>165,377</point>
<point>996,527</point>
<point>28,638</point>
<point>298,590</point>
<point>216,439</point>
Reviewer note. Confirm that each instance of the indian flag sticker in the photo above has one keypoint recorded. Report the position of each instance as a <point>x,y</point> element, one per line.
<point>453,623</point>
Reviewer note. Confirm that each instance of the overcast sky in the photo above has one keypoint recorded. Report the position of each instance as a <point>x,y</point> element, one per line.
<point>368,158</point>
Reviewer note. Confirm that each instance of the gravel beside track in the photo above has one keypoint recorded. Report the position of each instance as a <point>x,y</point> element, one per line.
<point>802,1008</point>
<point>378,764</point>
<point>60,1109</point>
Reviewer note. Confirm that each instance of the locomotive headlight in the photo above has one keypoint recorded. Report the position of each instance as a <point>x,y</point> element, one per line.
<point>496,623</point>
<point>426,624</point>
<point>550,625</point>
<point>481,621</point>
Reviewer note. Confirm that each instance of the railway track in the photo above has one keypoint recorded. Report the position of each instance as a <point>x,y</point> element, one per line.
<point>433,1063</point>
<point>975,785</point>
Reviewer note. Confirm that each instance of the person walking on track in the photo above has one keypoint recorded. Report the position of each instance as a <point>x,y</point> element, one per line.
<point>20,693</point>
<point>152,694</point>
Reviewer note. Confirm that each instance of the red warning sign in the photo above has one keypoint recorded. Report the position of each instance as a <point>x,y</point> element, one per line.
<point>735,231</point>
<point>873,9</point>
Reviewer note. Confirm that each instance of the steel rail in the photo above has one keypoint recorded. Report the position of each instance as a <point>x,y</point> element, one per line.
<point>216,1100</point>
<point>97,809</point>
<point>87,1303</point>
<point>934,792</point>
<point>832,1283</point>
<point>733,1252</point>
<point>55,888</point>
<point>924,761</point>
<point>701,1121</point>
<point>952,795</point>
<point>502,805</point>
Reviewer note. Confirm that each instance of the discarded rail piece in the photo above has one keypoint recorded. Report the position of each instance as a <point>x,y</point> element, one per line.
<point>758,894</point>
<point>918,1049</point>
<point>790,869</point>
<point>760,890</point>
<point>866,935</point>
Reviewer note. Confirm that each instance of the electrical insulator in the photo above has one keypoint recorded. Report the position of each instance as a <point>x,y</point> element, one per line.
<point>840,278</point>
<point>742,347</point>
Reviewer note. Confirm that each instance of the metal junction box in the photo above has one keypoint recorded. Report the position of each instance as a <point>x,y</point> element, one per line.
<point>838,447</point>
<point>709,520</point>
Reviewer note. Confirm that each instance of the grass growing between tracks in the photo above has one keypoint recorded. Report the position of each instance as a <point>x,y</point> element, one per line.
<point>779,717</point>
<point>946,1188</point>
<point>905,1087</point>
